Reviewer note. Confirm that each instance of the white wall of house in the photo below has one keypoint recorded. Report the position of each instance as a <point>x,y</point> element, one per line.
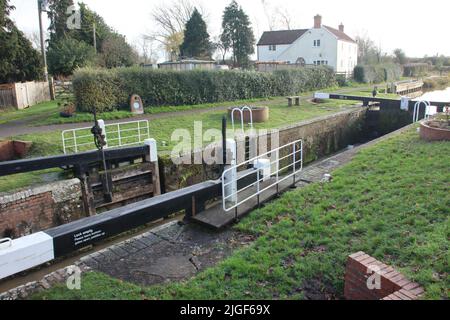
<point>347,56</point>
<point>266,53</point>
<point>339,54</point>
<point>304,47</point>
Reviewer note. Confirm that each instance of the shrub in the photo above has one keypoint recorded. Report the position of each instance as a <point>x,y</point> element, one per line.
<point>107,90</point>
<point>377,73</point>
<point>415,69</point>
<point>436,83</point>
<point>67,55</point>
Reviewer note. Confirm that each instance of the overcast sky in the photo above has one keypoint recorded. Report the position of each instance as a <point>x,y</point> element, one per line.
<point>419,29</point>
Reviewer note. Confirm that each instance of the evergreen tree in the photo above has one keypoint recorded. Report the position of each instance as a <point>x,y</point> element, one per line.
<point>90,18</point>
<point>196,42</point>
<point>19,61</point>
<point>71,49</point>
<point>116,52</point>
<point>66,55</point>
<point>237,34</point>
<point>57,13</point>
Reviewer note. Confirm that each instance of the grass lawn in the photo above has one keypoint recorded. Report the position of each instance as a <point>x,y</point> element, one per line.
<point>391,201</point>
<point>48,113</point>
<point>41,109</point>
<point>49,143</point>
<point>21,180</point>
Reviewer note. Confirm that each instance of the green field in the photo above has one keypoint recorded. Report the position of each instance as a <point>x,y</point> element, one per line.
<point>391,201</point>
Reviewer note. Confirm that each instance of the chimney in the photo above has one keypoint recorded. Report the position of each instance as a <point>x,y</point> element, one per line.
<point>318,22</point>
<point>341,27</point>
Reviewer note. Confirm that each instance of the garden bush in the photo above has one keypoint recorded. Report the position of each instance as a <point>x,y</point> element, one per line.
<point>377,73</point>
<point>107,90</point>
<point>415,69</point>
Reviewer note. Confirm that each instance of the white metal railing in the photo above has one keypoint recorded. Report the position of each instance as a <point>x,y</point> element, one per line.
<point>241,112</point>
<point>416,111</point>
<point>116,135</point>
<point>269,168</point>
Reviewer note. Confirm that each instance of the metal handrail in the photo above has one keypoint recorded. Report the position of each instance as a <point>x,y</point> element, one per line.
<point>241,111</point>
<point>142,130</point>
<point>416,111</point>
<point>273,173</point>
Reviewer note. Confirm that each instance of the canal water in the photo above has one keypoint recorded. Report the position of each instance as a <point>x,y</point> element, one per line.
<point>437,95</point>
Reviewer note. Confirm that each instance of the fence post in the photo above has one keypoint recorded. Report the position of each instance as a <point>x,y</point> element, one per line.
<point>230,177</point>
<point>153,158</point>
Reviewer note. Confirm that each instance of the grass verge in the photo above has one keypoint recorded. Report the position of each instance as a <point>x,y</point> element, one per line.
<point>390,201</point>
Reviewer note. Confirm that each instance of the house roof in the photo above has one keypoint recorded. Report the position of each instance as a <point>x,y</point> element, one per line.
<point>340,35</point>
<point>289,36</point>
<point>280,37</point>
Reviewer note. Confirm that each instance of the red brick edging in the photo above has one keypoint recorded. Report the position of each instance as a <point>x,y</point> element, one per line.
<point>369,279</point>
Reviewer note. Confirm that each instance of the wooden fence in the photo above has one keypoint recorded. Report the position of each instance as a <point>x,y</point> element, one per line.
<point>23,95</point>
<point>7,96</point>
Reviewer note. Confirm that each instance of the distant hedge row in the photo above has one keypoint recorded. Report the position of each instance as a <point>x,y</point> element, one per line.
<point>377,73</point>
<point>108,90</point>
<point>415,69</point>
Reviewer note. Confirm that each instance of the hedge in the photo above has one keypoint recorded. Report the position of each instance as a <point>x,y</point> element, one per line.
<point>108,90</point>
<point>377,73</point>
<point>415,69</point>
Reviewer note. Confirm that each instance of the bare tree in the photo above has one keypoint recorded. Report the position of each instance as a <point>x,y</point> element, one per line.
<point>35,39</point>
<point>277,16</point>
<point>147,47</point>
<point>284,18</point>
<point>269,13</point>
<point>170,19</point>
<point>220,48</point>
<point>368,52</point>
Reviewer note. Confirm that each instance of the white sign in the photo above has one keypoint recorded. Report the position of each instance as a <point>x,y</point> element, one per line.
<point>320,95</point>
<point>404,103</point>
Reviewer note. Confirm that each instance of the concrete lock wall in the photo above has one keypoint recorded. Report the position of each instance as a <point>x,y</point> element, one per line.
<point>321,136</point>
<point>39,208</point>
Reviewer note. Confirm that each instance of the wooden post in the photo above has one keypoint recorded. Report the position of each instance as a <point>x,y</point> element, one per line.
<point>156,181</point>
<point>52,88</point>
<point>86,190</point>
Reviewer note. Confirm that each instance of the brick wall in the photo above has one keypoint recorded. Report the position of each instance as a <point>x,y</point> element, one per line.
<point>36,209</point>
<point>10,150</point>
<point>369,279</point>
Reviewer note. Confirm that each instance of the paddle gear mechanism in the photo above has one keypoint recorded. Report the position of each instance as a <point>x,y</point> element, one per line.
<point>100,143</point>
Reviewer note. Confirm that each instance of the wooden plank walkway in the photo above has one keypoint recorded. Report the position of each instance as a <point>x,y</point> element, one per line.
<point>216,217</point>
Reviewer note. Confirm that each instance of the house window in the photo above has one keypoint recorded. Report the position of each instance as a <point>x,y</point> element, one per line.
<point>316,43</point>
<point>272,47</point>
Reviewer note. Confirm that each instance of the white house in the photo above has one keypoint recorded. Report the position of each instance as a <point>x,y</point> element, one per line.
<point>320,45</point>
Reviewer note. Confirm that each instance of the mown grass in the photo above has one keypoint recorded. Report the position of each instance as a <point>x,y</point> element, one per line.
<point>391,201</point>
<point>123,114</point>
<point>41,109</point>
<point>30,179</point>
<point>47,113</point>
<point>50,143</point>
